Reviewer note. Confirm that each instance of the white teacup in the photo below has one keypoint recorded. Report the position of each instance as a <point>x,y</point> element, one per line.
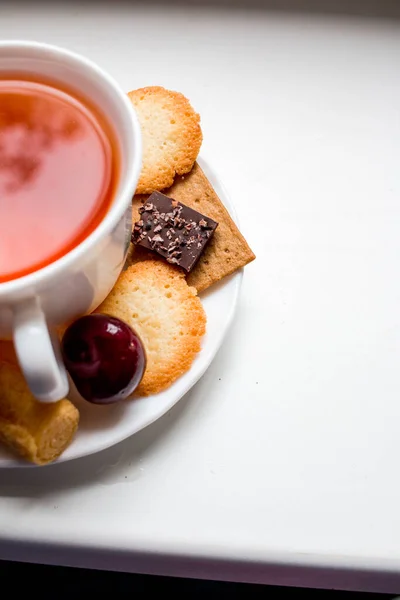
<point>32,306</point>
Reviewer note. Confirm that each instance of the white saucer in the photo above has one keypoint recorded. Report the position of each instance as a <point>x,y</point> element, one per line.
<point>104,426</point>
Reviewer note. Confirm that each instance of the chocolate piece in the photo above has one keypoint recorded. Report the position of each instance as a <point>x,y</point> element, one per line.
<point>173,230</point>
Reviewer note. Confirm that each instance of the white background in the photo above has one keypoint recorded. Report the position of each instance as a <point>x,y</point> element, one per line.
<point>288,449</point>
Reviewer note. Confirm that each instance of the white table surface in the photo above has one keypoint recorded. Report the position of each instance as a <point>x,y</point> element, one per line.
<point>282,464</point>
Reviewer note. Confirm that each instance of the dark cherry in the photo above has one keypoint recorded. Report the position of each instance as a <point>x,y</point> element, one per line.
<point>104,357</point>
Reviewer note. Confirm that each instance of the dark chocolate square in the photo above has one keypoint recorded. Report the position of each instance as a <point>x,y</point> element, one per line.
<point>173,230</point>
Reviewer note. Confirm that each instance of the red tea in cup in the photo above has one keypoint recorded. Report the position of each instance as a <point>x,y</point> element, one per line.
<point>58,172</point>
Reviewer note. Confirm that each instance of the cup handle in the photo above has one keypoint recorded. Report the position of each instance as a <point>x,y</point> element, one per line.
<point>39,353</point>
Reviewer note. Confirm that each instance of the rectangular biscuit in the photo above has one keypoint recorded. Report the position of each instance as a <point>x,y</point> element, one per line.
<point>226,252</point>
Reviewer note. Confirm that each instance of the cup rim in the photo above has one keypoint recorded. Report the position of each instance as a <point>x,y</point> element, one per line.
<point>128,180</point>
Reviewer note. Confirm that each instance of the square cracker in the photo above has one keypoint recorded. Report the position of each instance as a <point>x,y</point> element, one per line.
<point>227,250</point>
